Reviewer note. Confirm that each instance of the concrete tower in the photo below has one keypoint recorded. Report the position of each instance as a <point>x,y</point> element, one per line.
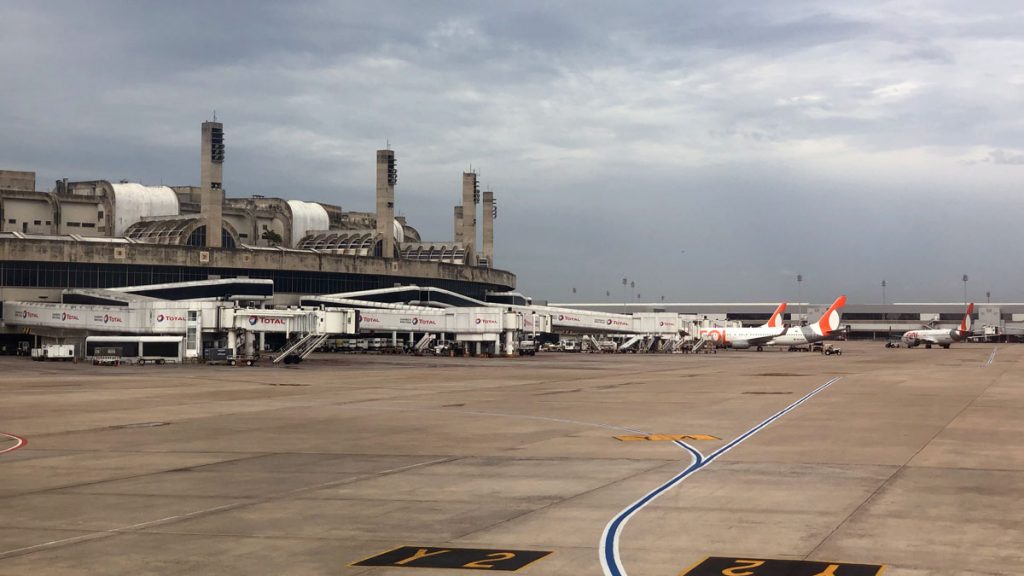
<point>212,181</point>
<point>490,211</point>
<point>458,224</point>
<point>387,177</point>
<point>470,198</point>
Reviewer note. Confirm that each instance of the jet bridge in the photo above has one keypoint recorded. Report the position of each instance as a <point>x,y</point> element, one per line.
<point>480,324</point>
<point>120,312</point>
<point>305,329</point>
<point>535,319</point>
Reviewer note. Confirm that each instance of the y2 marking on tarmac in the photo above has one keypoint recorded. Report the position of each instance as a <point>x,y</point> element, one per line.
<point>608,549</point>
<point>467,558</point>
<point>717,566</point>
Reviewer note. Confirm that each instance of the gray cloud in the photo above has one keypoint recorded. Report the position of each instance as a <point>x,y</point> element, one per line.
<point>839,140</point>
<point>1007,158</point>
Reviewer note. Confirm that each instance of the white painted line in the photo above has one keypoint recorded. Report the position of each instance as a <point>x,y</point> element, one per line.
<point>991,357</point>
<point>18,442</point>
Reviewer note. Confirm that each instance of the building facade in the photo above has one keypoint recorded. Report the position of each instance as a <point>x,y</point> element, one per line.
<point>104,234</point>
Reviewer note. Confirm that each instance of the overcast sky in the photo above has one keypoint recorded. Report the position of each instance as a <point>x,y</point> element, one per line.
<point>707,151</point>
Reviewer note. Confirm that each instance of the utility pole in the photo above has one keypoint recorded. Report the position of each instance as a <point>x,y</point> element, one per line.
<point>799,299</point>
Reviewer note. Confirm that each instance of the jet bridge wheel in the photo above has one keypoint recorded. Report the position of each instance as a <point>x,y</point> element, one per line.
<point>760,348</point>
<point>928,346</point>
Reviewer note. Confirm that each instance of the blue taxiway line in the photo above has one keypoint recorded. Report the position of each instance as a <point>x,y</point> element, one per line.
<point>611,562</point>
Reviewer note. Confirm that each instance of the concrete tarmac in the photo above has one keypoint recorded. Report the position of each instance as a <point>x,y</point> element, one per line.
<point>913,459</point>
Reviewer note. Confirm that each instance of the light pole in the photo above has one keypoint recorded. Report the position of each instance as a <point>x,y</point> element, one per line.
<point>883,292</point>
<point>625,284</point>
<point>988,297</point>
<point>799,282</point>
<point>965,289</point>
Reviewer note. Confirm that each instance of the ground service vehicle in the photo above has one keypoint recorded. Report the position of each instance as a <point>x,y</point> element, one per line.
<point>63,352</point>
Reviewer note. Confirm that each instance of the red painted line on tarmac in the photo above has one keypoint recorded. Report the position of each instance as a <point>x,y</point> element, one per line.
<point>18,439</point>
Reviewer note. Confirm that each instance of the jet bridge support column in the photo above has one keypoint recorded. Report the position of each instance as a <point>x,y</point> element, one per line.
<point>232,341</point>
<point>248,342</point>
<point>509,346</point>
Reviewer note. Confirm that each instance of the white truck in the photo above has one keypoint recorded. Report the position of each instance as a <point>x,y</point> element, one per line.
<point>62,352</point>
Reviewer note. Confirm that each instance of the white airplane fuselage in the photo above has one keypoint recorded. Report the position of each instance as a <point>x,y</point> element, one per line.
<point>932,337</point>
<point>740,338</point>
<point>797,336</point>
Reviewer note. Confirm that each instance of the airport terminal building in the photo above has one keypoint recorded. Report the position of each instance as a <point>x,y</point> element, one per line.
<point>99,234</point>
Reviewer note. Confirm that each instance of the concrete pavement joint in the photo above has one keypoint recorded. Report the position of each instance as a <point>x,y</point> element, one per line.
<point>118,478</point>
<point>500,415</point>
<point>215,509</point>
<point>560,502</point>
<point>898,470</point>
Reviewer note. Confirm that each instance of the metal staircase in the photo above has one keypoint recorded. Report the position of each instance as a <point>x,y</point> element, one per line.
<point>300,349</point>
<point>633,340</point>
<point>424,343</point>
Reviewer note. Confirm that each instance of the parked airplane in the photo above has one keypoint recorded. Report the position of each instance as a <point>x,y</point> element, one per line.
<point>940,337</point>
<point>742,338</point>
<point>804,335</point>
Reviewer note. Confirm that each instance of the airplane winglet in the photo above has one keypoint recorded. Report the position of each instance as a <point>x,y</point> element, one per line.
<point>830,319</point>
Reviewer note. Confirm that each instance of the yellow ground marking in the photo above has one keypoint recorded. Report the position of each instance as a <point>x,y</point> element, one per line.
<point>695,564</point>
